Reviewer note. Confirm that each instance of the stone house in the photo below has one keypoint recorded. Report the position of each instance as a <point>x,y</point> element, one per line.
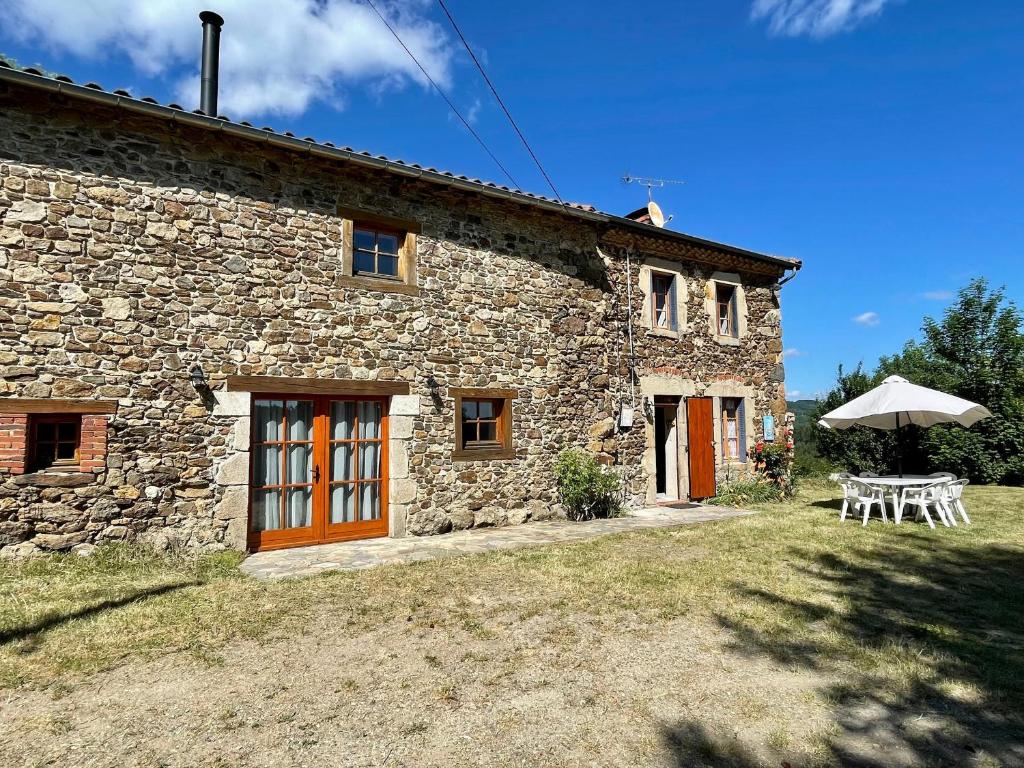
<point>216,335</point>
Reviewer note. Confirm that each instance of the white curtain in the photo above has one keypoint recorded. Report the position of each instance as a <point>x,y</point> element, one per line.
<point>369,501</point>
<point>343,503</point>
<point>369,420</point>
<point>266,510</point>
<point>343,416</point>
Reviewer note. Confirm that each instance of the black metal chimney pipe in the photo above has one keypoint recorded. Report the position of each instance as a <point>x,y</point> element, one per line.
<point>211,62</point>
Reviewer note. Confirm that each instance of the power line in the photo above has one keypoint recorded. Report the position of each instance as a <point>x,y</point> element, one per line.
<point>444,95</point>
<point>500,102</point>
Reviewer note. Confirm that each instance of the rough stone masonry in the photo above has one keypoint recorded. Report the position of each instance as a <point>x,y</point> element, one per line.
<point>133,248</point>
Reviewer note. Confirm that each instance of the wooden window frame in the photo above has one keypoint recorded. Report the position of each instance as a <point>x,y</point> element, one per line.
<point>726,420</point>
<point>377,231</point>
<point>406,231</point>
<point>32,463</point>
<point>503,449</point>
<point>670,311</point>
<point>730,305</point>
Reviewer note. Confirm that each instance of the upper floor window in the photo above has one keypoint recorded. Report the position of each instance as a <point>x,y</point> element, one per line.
<point>378,252</point>
<point>725,306</point>
<point>662,311</point>
<point>375,252</point>
<point>55,441</point>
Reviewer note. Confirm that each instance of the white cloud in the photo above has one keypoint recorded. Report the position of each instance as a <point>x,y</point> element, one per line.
<point>473,113</point>
<point>815,18</point>
<point>277,56</point>
<point>937,295</point>
<point>793,394</point>
<point>867,319</point>
<point>792,352</point>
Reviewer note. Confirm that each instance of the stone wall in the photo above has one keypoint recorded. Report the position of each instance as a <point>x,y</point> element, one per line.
<point>132,250</point>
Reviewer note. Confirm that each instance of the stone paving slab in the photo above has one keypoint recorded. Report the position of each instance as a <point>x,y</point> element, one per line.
<point>368,553</point>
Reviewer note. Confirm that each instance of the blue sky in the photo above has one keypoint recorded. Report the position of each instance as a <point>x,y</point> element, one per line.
<point>877,140</point>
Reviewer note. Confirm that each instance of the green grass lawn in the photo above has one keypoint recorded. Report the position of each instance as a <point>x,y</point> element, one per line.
<point>915,638</point>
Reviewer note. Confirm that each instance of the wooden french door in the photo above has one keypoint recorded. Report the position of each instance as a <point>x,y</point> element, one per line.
<point>318,471</point>
<point>700,435</point>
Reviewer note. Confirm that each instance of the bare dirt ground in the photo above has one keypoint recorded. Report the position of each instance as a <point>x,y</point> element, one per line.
<point>564,692</point>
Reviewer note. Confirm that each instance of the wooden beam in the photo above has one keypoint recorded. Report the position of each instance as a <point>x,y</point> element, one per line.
<point>22,405</point>
<point>300,386</point>
<point>482,392</point>
<point>368,218</point>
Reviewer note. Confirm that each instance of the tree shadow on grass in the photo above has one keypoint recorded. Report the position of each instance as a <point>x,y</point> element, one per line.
<point>690,745</point>
<point>923,648</point>
<point>53,620</point>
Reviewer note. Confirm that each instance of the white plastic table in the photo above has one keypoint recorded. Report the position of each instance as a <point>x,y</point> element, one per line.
<point>895,485</point>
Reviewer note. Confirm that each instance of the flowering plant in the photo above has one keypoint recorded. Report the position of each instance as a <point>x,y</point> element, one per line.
<point>774,461</point>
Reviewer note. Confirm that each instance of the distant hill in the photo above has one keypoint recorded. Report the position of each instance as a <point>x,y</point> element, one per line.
<point>801,409</point>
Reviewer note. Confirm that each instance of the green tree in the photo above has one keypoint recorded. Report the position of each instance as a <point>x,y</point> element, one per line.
<point>857,449</point>
<point>975,351</point>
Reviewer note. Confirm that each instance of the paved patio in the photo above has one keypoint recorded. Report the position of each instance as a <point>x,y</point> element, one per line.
<point>354,555</point>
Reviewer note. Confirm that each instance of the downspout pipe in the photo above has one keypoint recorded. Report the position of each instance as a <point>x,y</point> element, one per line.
<point>210,83</point>
<point>788,277</point>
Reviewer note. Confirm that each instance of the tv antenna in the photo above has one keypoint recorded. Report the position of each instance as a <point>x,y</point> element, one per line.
<point>649,183</point>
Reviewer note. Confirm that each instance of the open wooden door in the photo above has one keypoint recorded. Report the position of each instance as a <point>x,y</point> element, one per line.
<point>700,432</point>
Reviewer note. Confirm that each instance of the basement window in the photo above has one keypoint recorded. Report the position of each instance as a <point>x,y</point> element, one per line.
<point>55,441</point>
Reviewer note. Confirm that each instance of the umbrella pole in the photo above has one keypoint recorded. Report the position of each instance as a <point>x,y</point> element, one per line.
<point>899,447</point>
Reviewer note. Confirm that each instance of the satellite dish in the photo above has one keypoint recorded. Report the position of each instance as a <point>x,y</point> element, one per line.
<point>657,217</point>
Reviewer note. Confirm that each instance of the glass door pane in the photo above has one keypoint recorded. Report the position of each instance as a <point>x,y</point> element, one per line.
<point>356,445</point>
<point>282,479</point>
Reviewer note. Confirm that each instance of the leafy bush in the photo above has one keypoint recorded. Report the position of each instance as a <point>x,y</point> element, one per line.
<point>587,489</point>
<point>740,492</point>
<point>807,464</point>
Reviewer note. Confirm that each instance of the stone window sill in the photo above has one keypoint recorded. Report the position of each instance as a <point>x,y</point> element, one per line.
<point>378,284</point>
<point>727,341</point>
<point>51,479</point>
<point>663,332</point>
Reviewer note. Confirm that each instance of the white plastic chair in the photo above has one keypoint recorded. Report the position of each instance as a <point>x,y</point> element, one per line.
<point>954,500</point>
<point>862,497</point>
<point>930,495</point>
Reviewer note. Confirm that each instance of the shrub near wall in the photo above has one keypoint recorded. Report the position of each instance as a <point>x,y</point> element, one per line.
<point>585,487</point>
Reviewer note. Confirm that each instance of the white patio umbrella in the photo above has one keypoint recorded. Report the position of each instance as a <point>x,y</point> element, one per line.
<point>896,403</point>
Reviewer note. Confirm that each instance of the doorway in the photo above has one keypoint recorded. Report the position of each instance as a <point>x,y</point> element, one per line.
<point>700,441</point>
<point>666,448</point>
<point>318,471</point>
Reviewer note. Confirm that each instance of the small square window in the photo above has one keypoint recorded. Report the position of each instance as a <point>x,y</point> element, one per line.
<point>375,253</point>
<point>483,424</point>
<point>55,441</point>
<point>378,252</point>
<point>480,422</point>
